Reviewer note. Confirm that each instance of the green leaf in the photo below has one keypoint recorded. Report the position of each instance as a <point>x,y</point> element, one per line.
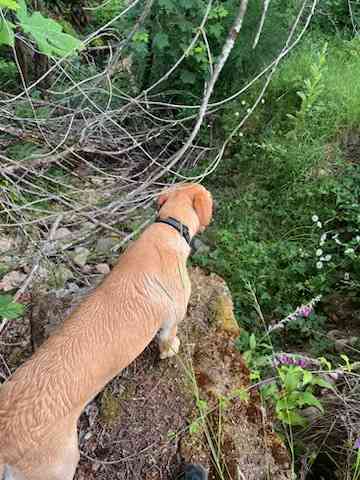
<point>242,394</point>
<point>186,4</point>
<point>292,378</point>
<point>292,418</point>
<point>9,4</point>
<point>7,36</point>
<point>48,35</point>
<point>269,391</point>
<point>22,11</point>
<point>215,30</point>
<point>307,378</point>
<point>322,383</point>
<point>187,77</point>
<point>307,398</point>
<point>10,309</point>
<point>161,40</point>
<point>252,341</point>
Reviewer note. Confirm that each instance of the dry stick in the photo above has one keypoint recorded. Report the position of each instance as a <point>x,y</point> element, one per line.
<point>262,21</point>
<point>38,257</point>
<point>227,48</point>
<point>39,162</point>
<point>115,63</point>
<point>352,17</point>
<point>272,67</point>
<point>62,59</point>
<point>35,267</point>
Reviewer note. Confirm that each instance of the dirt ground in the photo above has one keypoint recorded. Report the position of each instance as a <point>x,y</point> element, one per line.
<point>157,414</point>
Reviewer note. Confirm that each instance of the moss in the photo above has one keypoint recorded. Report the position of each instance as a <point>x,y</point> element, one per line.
<point>110,407</point>
<point>222,313</point>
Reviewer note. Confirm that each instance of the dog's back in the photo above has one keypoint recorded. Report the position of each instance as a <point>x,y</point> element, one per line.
<point>146,290</point>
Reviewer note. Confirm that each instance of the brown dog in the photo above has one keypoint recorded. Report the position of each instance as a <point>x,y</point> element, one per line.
<point>148,290</point>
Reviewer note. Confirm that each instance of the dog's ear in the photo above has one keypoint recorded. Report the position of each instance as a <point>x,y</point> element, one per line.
<point>203,206</point>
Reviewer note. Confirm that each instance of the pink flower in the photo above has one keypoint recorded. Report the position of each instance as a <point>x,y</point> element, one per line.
<point>357,443</point>
<point>304,311</point>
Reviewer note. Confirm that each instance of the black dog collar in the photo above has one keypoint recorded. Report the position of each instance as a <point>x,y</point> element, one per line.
<point>180,227</point>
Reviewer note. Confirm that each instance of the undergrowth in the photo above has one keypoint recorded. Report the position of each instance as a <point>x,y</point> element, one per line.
<point>288,225</point>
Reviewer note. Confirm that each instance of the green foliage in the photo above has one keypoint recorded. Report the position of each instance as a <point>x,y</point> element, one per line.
<point>11,4</point>
<point>313,87</point>
<point>272,184</point>
<point>333,16</point>
<point>47,33</point>
<point>256,353</point>
<point>10,309</point>
<point>107,12</point>
<point>293,391</point>
<point>8,72</point>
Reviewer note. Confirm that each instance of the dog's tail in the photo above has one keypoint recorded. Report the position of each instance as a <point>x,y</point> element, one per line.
<point>10,473</point>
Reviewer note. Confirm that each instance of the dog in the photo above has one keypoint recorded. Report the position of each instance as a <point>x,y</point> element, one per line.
<point>146,292</point>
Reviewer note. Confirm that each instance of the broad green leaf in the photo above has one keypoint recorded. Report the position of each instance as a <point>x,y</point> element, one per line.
<point>307,378</point>
<point>7,36</point>
<point>307,398</point>
<point>22,11</point>
<point>322,383</point>
<point>12,4</point>
<point>8,308</point>
<point>49,36</point>
<point>292,418</point>
<point>269,391</point>
<point>292,378</point>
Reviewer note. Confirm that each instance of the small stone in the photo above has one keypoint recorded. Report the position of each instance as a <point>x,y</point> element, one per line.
<point>6,244</point>
<point>102,268</point>
<point>63,274</point>
<point>12,280</point>
<point>340,345</point>
<point>199,247</point>
<point>62,233</point>
<point>80,256</point>
<point>86,269</point>
<point>104,245</point>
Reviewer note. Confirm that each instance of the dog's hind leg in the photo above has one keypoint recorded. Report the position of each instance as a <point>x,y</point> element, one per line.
<point>169,343</point>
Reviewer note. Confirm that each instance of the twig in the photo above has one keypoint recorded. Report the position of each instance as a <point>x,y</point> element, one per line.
<point>262,21</point>
<point>39,162</point>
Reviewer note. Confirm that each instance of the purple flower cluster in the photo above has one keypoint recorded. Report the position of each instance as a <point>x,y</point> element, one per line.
<point>286,359</point>
<point>304,311</point>
<point>357,443</point>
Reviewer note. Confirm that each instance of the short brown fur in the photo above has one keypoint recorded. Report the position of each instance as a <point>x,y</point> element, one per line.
<point>148,290</point>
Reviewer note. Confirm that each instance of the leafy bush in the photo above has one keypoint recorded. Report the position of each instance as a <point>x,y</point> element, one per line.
<point>280,175</point>
<point>47,33</point>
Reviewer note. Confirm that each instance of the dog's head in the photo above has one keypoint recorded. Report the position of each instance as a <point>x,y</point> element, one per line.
<point>171,201</point>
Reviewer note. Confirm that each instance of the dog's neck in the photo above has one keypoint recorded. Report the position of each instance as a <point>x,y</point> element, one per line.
<point>178,226</point>
<point>183,213</point>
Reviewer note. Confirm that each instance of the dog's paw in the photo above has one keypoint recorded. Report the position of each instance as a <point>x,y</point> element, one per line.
<point>171,350</point>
